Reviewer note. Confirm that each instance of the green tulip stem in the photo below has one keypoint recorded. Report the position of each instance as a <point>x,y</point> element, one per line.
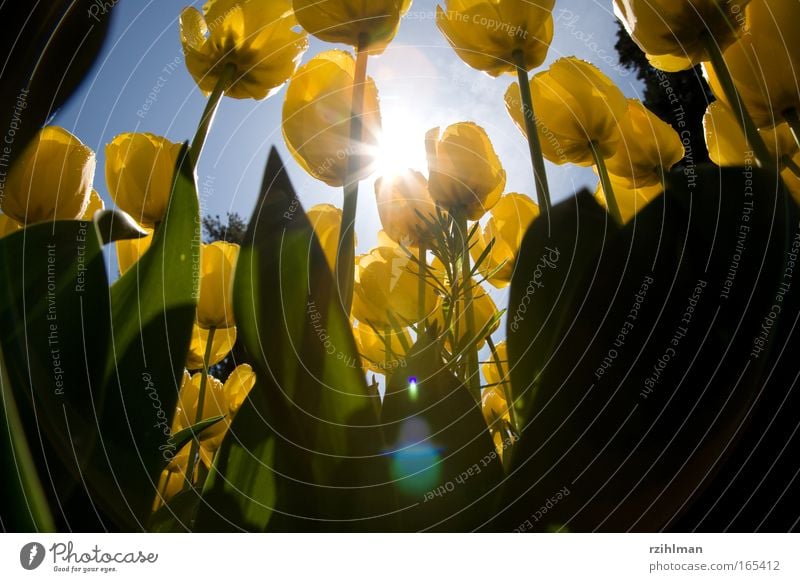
<point>504,382</point>
<point>423,265</point>
<point>793,119</point>
<point>201,397</point>
<point>471,349</point>
<point>345,255</point>
<point>763,156</point>
<point>535,146</point>
<point>605,182</point>
<point>223,83</point>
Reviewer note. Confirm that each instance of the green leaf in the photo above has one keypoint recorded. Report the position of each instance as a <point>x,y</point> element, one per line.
<point>54,312</point>
<point>153,308</point>
<point>23,506</point>
<point>654,370</point>
<point>444,468</point>
<point>545,284</point>
<point>114,225</point>
<point>183,436</point>
<point>302,450</point>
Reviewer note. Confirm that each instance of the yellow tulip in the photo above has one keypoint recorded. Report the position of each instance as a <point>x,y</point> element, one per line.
<point>576,105</point>
<point>402,198</point>
<point>95,204</point>
<point>256,37</point>
<point>372,347</point>
<point>463,169</point>
<point>496,371</point>
<point>649,147</point>
<point>509,220</point>
<point>792,180</point>
<point>51,180</point>
<point>486,33</point>
<point>368,26</point>
<point>139,173</point>
<point>484,311</point>
<point>217,268</point>
<point>762,62</point>
<point>326,220</point>
<point>630,199</point>
<point>172,479</point>
<point>494,407</point>
<point>8,225</point>
<point>316,118</point>
<point>238,386</point>
<point>129,251</point>
<point>672,32</point>
<point>726,142</point>
<point>386,287</point>
<point>214,404</point>
<point>221,346</point>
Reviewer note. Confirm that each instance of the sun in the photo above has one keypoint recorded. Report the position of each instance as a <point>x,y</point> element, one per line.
<point>401,144</point>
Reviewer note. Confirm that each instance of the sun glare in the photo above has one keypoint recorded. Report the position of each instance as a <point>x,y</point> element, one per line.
<point>401,143</point>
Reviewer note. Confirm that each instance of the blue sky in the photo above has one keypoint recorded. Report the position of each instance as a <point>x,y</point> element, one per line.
<point>422,84</point>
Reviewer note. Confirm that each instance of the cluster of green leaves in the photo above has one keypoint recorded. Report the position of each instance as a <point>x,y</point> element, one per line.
<point>94,387</point>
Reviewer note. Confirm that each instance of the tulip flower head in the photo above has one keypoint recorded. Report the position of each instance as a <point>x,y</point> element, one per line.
<point>51,179</point>
<point>496,373</point>
<point>221,346</point>
<point>140,169</point>
<point>576,106</point>
<point>673,33</point>
<point>129,251</point>
<point>631,199</point>
<point>372,347</point>
<point>463,169</point>
<point>509,220</point>
<point>238,386</point>
<point>486,33</point>
<point>255,37</point>
<point>727,144</point>
<point>648,147</point>
<point>316,119</point>
<point>764,62</point>
<point>404,204</point>
<point>364,25</point>
<point>214,404</point>
<point>326,220</point>
<point>217,269</point>
<point>386,287</point>
<point>484,322</point>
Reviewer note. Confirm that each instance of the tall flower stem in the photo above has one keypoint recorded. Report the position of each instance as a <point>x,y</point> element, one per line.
<point>345,256</point>
<point>471,349</point>
<point>423,265</point>
<point>793,119</point>
<point>535,146</point>
<point>201,397</point>
<point>763,156</point>
<point>199,140</point>
<point>605,182</point>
